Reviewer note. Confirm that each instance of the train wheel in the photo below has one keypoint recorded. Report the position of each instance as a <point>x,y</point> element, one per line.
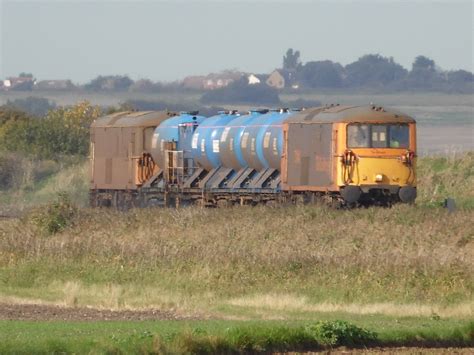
<point>200,202</point>
<point>154,202</point>
<point>223,203</point>
<point>271,203</point>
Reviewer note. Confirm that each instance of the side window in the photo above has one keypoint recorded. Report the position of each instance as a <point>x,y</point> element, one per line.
<point>358,136</point>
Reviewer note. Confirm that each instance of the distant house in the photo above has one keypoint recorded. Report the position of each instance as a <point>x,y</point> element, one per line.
<point>211,81</point>
<point>54,85</point>
<point>215,82</point>
<point>18,83</point>
<point>219,80</point>
<point>253,79</point>
<point>276,80</point>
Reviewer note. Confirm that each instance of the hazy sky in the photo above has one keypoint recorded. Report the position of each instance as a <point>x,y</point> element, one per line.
<point>167,40</point>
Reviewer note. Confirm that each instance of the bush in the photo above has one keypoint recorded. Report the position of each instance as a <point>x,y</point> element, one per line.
<point>109,83</point>
<point>10,171</point>
<point>19,172</point>
<point>258,339</point>
<point>11,114</point>
<point>37,106</point>
<point>56,216</point>
<point>338,333</point>
<point>62,132</point>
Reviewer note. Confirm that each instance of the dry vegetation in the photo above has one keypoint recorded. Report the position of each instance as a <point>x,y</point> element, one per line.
<point>282,262</point>
<point>446,176</point>
<point>186,257</point>
<point>405,272</point>
<point>37,183</point>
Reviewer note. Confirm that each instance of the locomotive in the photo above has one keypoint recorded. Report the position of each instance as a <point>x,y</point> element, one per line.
<point>347,155</point>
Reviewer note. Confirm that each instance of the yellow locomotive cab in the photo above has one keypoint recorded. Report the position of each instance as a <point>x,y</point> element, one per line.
<point>360,154</point>
<point>378,159</point>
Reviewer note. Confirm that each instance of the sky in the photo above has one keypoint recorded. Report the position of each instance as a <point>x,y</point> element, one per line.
<point>168,40</point>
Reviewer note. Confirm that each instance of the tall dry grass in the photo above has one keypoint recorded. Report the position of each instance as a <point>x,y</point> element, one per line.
<point>402,254</point>
<point>450,175</point>
<point>26,183</point>
<point>218,258</point>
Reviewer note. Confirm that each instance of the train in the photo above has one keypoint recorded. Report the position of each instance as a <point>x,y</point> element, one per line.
<point>343,155</point>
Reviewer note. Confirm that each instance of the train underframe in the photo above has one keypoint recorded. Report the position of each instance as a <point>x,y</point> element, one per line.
<point>222,187</point>
<point>176,198</point>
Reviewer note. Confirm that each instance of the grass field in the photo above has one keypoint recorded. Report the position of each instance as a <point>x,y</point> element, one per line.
<point>217,336</point>
<point>255,278</point>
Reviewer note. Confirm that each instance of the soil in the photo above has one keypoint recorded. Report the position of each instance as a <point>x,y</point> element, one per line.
<point>397,350</point>
<point>35,312</point>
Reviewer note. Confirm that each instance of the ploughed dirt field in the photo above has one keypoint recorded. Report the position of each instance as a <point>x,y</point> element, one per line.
<point>398,350</point>
<point>36,312</point>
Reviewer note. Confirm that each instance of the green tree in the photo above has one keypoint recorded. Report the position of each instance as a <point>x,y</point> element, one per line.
<point>423,75</point>
<point>322,74</point>
<point>37,106</point>
<point>460,77</point>
<point>109,83</point>
<point>423,63</point>
<point>291,61</point>
<point>373,70</point>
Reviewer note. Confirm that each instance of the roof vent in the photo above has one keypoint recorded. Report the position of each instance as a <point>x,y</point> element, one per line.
<point>229,112</point>
<point>375,108</point>
<point>259,110</point>
<point>281,110</point>
<point>191,113</point>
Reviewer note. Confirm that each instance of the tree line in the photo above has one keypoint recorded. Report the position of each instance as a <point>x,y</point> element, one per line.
<point>370,72</point>
<point>374,71</point>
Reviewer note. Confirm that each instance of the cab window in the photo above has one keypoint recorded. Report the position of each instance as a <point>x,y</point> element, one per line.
<point>358,136</point>
<point>399,137</point>
<point>377,136</point>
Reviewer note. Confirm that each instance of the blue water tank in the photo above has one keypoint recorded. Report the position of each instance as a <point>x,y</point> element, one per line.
<point>230,140</point>
<point>262,140</point>
<point>205,145</point>
<point>169,131</point>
